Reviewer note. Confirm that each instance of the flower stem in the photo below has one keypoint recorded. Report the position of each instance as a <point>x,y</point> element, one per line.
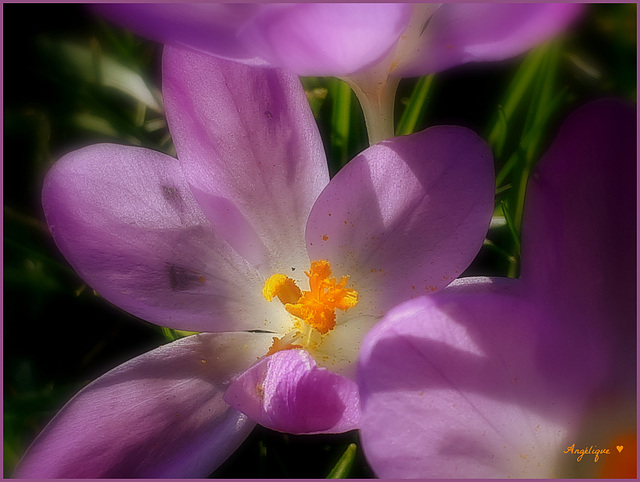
<point>376,87</point>
<point>377,96</point>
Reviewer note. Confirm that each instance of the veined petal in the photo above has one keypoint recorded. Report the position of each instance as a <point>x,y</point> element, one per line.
<point>158,415</point>
<point>474,382</point>
<point>406,216</point>
<point>326,39</point>
<point>125,219</point>
<point>458,33</point>
<point>579,234</point>
<point>251,152</point>
<point>288,392</point>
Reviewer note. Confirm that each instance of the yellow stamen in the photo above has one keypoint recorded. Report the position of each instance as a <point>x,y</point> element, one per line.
<point>316,307</point>
<point>283,287</point>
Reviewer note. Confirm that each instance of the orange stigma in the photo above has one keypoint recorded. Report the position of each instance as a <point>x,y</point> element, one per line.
<point>316,307</point>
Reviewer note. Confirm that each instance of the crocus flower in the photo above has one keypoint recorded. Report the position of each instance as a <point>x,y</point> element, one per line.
<point>344,39</point>
<point>518,378</point>
<point>371,46</point>
<point>244,239</point>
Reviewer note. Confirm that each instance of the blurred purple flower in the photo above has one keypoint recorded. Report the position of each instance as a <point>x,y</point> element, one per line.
<point>370,46</point>
<point>496,378</point>
<point>202,242</point>
<point>345,39</point>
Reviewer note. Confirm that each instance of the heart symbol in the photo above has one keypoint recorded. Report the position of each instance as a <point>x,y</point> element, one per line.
<point>619,447</point>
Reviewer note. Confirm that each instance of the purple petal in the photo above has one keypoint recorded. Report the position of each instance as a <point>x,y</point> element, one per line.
<point>206,27</point>
<point>474,382</point>
<point>307,39</point>
<point>326,39</point>
<point>158,415</point>
<point>289,392</point>
<point>127,222</point>
<point>407,216</point>
<point>579,234</point>
<point>466,32</point>
<point>251,152</point>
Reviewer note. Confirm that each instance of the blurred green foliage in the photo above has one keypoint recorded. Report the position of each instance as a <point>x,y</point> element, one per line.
<point>71,79</point>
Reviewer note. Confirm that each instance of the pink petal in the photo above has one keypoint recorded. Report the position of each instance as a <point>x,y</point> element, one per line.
<point>467,32</point>
<point>343,39</point>
<point>474,382</point>
<point>158,415</point>
<point>251,152</point>
<point>288,392</point>
<point>407,216</point>
<point>127,222</point>
<point>326,39</point>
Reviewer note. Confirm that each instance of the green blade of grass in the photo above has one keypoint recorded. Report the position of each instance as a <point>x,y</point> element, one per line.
<point>544,104</point>
<point>93,67</point>
<point>340,121</point>
<point>514,258</point>
<point>343,467</point>
<point>530,142</point>
<point>542,93</point>
<point>547,105</point>
<point>515,94</point>
<point>317,91</point>
<point>502,252</point>
<point>415,109</point>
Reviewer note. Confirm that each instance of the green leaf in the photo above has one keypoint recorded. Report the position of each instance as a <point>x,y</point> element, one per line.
<point>343,467</point>
<point>173,335</point>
